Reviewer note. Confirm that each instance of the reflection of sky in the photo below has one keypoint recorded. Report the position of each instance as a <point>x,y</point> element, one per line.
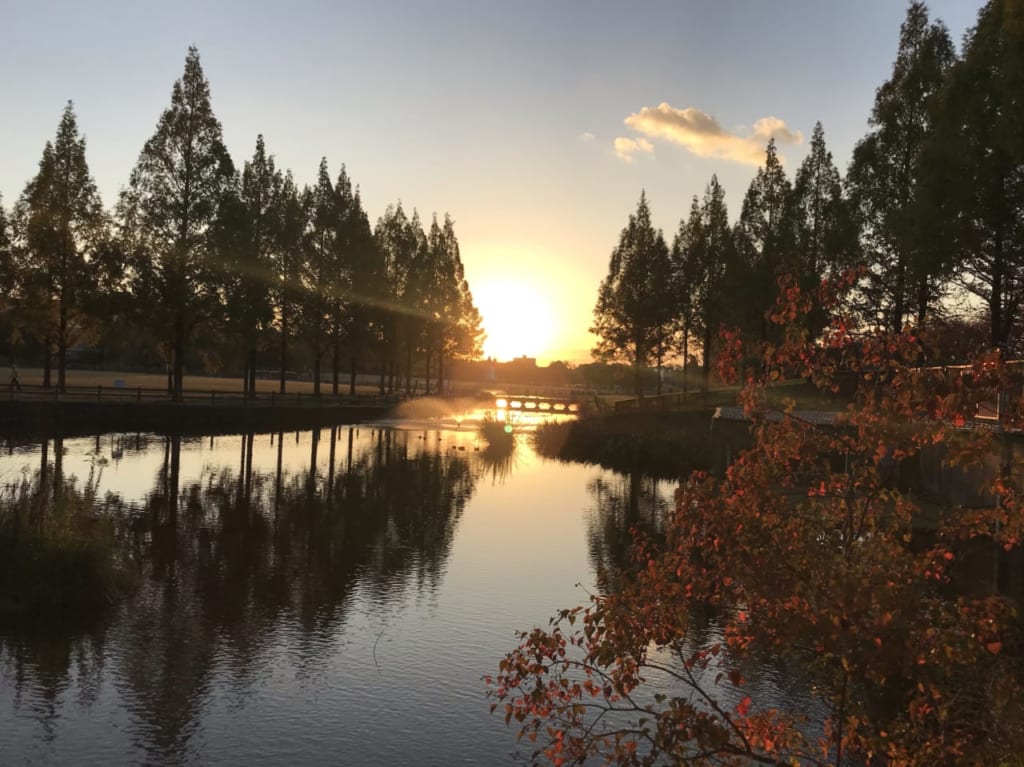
<point>393,677</point>
<point>129,464</point>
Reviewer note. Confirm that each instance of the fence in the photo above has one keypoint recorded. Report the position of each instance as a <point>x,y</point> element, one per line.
<point>99,393</point>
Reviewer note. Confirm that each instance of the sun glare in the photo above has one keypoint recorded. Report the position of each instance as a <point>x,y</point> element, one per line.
<point>517,318</point>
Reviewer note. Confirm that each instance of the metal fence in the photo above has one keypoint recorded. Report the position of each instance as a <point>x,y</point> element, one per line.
<point>124,394</point>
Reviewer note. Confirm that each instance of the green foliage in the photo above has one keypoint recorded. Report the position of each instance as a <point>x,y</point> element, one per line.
<point>176,190</point>
<point>825,237</point>
<point>59,220</point>
<point>764,244</point>
<point>973,191</point>
<point>635,304</point>
<point>906,267</point>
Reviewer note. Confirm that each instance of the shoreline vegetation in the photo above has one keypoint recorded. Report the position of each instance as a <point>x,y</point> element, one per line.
<point>59,551</point>
<point>663,445</point>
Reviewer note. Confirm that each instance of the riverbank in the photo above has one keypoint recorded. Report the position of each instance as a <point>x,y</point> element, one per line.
<point>664,445</point>
<point>196,416</point>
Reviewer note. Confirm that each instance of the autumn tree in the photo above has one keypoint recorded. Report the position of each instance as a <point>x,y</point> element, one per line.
<point>635,302</point>
<point>59,219</point>
<point>904,275</point>
<point>809,551</point>
<point>975,167</point>
<point>167,211</point>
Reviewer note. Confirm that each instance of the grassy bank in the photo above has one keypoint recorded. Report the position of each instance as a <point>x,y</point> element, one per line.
<point>662,445</point>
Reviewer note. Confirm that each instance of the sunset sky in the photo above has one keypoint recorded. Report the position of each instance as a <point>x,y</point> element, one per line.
<point>535,124</point>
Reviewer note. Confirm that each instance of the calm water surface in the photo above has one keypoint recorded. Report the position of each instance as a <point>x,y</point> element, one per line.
<point>328,597</point>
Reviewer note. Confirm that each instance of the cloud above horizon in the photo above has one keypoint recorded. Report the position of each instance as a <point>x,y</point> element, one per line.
<point>700,133</point>
<point>628,148</point>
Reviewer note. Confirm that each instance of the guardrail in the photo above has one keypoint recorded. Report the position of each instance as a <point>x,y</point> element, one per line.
<point>670,401</point>
<point>100,393</point>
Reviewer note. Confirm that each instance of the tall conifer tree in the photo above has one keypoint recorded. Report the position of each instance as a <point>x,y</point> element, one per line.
<point>763,240</point>
<point>59,219</point>
<point>718,262</point>
<point>171,202</point>
<point>632,306</point>
<point>904,275</point>
<point>975,181</point>
<point>824,238</point>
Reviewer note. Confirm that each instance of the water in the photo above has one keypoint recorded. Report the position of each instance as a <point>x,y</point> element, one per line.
<point>328,597</point>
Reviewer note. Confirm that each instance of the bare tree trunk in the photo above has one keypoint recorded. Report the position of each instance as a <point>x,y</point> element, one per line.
<point>179,357</point>
<point>426,386</point>
<point>284,347</point>
<point>335,351</point>
<point>46,362</point>
<point>252,372</point>
<point>62,348</point>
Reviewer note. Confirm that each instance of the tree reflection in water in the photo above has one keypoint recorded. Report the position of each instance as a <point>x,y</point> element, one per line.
<point>236,558</point>
<point>622,505</point>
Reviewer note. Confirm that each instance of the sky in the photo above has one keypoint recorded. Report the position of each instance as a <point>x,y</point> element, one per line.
<point>535,124</point>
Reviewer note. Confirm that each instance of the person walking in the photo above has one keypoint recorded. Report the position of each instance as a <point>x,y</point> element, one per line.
<point>15,384</point>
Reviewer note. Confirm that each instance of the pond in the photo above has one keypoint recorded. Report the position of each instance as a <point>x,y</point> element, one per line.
<point>320,597</point>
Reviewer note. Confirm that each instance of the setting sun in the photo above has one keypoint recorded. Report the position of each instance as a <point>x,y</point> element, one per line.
<point>517,318</point>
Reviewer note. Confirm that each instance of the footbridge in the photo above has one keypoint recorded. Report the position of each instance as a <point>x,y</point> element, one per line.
<point>548,405</point>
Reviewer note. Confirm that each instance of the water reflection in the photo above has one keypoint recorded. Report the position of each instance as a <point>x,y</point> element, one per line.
<point>621,506</point>
<point>233,556</point>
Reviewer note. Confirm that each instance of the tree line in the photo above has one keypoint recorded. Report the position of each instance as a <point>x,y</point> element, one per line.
<point>201,263</point>
<point>931,211</point>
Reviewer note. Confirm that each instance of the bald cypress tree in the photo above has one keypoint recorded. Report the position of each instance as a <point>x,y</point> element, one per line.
<point>260,195</point>
<point>687,257</point>
<point>824,235</point>
<point>763,241</point>
<point>904,276</point>
<point>59,219</point>
<point>6,255</point>
<point>365,276</point>
<point>460,329</point>
<point>631,308</point>
<point>286,266</point>
<point>318,276</point>
<point>974,185</point>
<point>167,211</point>
<point>718,263</point>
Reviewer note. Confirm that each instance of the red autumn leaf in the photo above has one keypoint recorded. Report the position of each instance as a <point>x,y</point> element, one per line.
<point>743,706</point>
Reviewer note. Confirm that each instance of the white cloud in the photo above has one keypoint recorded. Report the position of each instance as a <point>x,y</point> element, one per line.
<point>587,136</point>
<point>702,134</point>
<point>627,148</point>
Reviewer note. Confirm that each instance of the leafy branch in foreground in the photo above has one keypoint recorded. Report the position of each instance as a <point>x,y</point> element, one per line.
<point>811,551</point>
